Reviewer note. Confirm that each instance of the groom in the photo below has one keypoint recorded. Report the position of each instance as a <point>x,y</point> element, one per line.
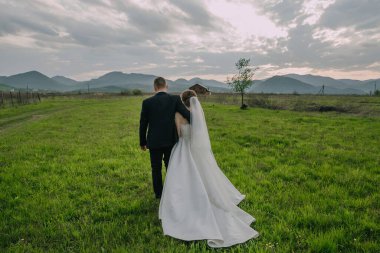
<point>157,115</point>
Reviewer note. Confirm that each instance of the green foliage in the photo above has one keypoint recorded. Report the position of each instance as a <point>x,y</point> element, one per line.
<point>241,81</point>
<point>137,92</point>
<point>126,92</point>
<point>4,87</point>
<point>360,105</point>
<point>377,93</point>
<point>73,178</point>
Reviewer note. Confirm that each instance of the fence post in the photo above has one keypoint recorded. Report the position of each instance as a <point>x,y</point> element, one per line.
<point>19,97</point>
<point>2,98</point>
<point>38,94</point>
<point>11,98</point>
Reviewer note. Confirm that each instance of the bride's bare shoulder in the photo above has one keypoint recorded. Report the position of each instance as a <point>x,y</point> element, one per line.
<point>179,118</point>
<point>178,115</point>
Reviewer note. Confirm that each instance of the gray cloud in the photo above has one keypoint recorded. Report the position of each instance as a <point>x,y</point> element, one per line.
<point>361,29</point>
<point>282,12</point>
<point>362,15</point>
<point>78,38</point>
<point>197,14</point>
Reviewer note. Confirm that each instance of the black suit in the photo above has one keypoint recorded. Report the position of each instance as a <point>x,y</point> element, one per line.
<point>157,115</point>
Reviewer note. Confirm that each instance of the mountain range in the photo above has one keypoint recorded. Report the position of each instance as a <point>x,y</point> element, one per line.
<point>118,81</point>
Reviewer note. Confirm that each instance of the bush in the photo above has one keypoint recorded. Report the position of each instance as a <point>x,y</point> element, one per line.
<point>136,92</point>
<point>263,102</point>
<point>244,107</point>
<point>377,93</point>
<point>126,92</point>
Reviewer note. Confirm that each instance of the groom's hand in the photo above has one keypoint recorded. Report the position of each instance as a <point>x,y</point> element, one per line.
<point>143,148</point>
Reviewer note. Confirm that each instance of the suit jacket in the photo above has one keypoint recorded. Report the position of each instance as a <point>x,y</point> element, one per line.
<point>157,115</point>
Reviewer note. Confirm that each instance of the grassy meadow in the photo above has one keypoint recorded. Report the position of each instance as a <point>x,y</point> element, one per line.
<point>73,179</point>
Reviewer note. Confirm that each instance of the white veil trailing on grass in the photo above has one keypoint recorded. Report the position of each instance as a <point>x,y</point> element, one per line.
<point>200,146</point>
<point>199,133</point>
<point>223,195</point>
<point>198,200</point>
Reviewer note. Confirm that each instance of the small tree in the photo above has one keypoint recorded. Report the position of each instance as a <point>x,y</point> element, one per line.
<point>241,81</point>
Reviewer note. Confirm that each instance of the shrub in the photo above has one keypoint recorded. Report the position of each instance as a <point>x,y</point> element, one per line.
<point>126,92</point>
<point>136,92</point>
<point>263,102</point>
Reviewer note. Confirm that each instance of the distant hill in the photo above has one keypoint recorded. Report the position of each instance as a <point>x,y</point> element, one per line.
<point>123,80</point>
<point>287,85</point>
<point>34,80</point>
<point>347,85</point>
<point>65,81</point>
<point>4,87</point>
<point>117,78</point>
<point>365,86</point>
<point>182,81</point>
<point>114,81</point>
<point>318,81</point>
<point>145,82</point>
<point>117,81</point>
<point>256,84</point>
<point>351,82</point>
<point>283,84</point>
<point>368,86</point>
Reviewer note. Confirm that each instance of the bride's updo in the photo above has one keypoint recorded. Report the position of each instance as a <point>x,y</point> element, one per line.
<point>186,95</point>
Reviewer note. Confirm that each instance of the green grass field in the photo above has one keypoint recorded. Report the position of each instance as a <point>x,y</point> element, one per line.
<point>73,179</point>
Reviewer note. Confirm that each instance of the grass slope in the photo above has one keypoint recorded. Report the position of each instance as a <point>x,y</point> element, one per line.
<point>4,87</point>
<point>72,178</point>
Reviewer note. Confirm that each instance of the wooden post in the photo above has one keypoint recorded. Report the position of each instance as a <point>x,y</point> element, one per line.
<point>2,97</point>
<point>11,97</point>
<point>27,95</point>
<point>38,95</point>
<point>19,97</point>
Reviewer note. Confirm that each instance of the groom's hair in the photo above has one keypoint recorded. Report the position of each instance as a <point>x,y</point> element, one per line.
<point>159,83</point>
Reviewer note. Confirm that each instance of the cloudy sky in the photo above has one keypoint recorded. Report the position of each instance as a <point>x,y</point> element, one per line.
<point>83,39</point>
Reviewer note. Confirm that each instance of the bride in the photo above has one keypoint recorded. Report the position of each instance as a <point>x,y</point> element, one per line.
<point>198,201</point>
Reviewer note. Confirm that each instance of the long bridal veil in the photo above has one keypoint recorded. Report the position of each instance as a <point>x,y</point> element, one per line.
<point>199,133</point>
<point>198,200</point>
<point>221,192</point>
<point>202,152</point>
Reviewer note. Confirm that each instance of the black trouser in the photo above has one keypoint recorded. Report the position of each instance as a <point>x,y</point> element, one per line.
<point>156,157</point>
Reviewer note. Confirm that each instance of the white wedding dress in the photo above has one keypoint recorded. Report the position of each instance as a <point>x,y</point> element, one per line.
<point>198,201</point>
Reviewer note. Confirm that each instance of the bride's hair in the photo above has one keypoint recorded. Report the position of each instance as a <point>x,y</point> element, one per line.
<point>186,95</point>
